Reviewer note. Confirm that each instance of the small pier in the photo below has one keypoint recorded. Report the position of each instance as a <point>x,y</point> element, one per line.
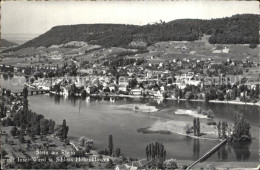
<point>206,155</point>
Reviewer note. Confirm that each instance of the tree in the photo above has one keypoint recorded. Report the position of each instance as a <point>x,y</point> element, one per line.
<point>224,130</point>
<point>241,130</point>
<point>51,126</point>
<point>207,97</point>
<point>44,126</point>
<point>64,130</point>
<point>3,152</point>
<point>25,92</point>
<point>82,141</point>
<point>155,153</point>
<point>132,83</point>
<point>252,45</point>
<point>219,129</point>
<point>21,138</point>
<point>220,96</point>
<point>118,152</point>
<point>25,106</point>
<point>87,148</point>
<point>198,126</point>
<point>13,131</point>
<point>110,145</point>
<point>36,129</point>
<point>195,126</point>
<point>109,165</point>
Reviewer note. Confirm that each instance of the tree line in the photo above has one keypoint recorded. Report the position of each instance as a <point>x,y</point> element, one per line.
<point>32,123</point>
<point>238,29</point>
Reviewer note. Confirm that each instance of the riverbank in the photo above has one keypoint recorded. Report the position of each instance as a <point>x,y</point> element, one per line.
<point>208,132</point>
<point>161,98</point>
<point>191,100</point>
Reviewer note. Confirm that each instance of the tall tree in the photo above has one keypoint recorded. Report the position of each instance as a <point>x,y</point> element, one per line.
<point>198,126</point>
<point>195,126</point>
<point>25,92</point>
<point>64,130</point>
<point>223,130</point>
<point>118,152</point>
<point>110,144</point>
<point>219,129</point>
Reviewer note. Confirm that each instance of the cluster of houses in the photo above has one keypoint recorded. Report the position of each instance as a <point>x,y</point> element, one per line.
<point>152,77</point>
<point>143,164</point>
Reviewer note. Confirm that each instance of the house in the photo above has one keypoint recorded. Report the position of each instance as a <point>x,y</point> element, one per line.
<point>136,91</point>
<point>225,50</point>
<point>125,167</point>
<point>170,164</point>
<point>122,88</point>
<point>123,81</point>
<point>150,92</point>
<point>112,88</point>
<point>149,73</point>
<point>140,163</point>
<point>86,71</point>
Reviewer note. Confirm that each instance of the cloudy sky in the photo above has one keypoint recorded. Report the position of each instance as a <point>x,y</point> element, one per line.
<point>29,17</point>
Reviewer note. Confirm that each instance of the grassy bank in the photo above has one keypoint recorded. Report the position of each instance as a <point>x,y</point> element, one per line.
<point>208,132</point>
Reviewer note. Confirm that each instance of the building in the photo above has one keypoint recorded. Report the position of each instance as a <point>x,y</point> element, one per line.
<point>125,167</point>
<point>141,164</point>
<point>86,71</point>
<point>170,164</point>
<point>136,91</point>
<point>123,81</point>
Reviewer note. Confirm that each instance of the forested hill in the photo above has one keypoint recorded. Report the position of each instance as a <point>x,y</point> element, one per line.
<point>5,43</point>
<point>238,29</point>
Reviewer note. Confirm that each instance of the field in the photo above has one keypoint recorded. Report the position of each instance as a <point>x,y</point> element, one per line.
<point>169,50</point>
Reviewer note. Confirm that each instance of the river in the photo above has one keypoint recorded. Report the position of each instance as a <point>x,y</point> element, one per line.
<point>96,118</point>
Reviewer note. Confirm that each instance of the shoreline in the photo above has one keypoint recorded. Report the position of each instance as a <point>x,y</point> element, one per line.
<point>146,130</point>
<point>192,100</point>
<point>208,132</point>
<point>156,97</point>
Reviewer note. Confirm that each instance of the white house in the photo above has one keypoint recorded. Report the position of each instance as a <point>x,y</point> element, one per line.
<point>225,50</point>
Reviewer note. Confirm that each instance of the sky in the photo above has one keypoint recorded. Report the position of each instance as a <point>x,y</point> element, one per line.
<point>37,17</point>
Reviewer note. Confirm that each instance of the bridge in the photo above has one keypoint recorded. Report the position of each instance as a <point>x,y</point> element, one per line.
<point>206,155</point>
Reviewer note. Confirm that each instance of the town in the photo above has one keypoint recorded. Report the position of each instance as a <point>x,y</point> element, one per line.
<point>144,74</point>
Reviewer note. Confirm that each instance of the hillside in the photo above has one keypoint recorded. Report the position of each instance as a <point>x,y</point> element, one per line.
<point>5,43</point>
<point>238,29</point>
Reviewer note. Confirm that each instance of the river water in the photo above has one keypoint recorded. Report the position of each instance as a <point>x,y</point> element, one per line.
<point>96,118</point>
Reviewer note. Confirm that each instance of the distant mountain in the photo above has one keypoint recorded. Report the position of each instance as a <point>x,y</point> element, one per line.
<point>5,43</point>
<point>238,29</point>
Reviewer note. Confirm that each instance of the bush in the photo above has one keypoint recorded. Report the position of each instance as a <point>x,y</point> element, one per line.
<point>103,152</point>
<point>204,112</point>
<point>188,129</point>
<point>67,141</point>
<point>252,45</point>
<point>211,123</point>
<point>210,114</point>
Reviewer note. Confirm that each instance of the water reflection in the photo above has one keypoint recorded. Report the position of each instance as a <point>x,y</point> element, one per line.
<point>5,76</point>
<point>196,148</point>
<point>57,99</point>
<point>222,153</point>
<point>241,150</point>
